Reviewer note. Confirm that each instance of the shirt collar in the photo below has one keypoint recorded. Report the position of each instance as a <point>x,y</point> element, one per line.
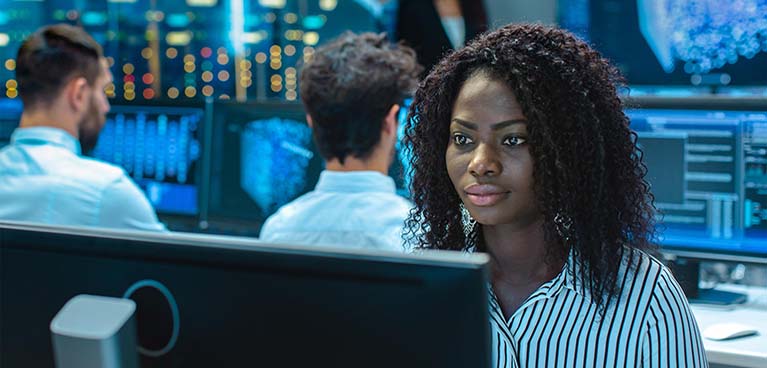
<point>46,135</point>
<point>355,182</point>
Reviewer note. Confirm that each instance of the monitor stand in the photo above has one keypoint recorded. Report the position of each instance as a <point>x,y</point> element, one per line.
<point>687,273</point>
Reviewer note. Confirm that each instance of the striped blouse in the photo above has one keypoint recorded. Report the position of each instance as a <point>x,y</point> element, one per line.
<point>648,325</point>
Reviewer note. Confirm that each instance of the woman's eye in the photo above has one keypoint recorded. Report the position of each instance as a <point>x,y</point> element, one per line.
<point>514,141</point>
<point>461,140</point>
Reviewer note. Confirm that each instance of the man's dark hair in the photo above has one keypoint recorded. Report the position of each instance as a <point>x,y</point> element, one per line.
<point>349,85</point>
<point>51,57</point>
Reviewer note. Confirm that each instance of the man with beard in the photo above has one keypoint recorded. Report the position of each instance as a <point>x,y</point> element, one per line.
<point>62,74</point>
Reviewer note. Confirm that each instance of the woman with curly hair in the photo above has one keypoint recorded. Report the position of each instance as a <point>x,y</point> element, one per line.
<point>521,150</point>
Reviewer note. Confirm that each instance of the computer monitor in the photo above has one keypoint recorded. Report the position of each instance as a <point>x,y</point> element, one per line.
<point>160,148</point>
<point>707,167</point>
<point>262,157</point>
<point>208,301</point>
<point>688,43</point>
<point>10,114</point>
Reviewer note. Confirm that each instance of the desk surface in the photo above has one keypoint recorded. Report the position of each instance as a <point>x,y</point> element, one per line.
<point>741,352</point>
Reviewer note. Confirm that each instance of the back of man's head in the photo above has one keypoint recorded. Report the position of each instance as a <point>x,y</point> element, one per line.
<point>51,57</point>
<point>349,86</point>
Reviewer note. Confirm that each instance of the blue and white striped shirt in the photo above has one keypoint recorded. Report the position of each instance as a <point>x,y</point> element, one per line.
<point>649,324</point>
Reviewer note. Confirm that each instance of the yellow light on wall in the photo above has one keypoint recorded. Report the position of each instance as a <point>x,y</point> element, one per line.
<point>189,58</point>
<point>109,90</point>
<point>275,64</point>
<point>290,18</point>
<point>189,67</point>
<point>223,76</point>
<point>261,58</point>
<point>190,91</point>
<point>207,76</point>
<point>147,53</point>
<point>328,5</point>
<point>207,91</point>
<point>10,64</point>
<point>11,84</point>
<point>173,92</point>
<point>291,95</point>
<point>275,50</point>
<point>181,38</point>
<point>171,53</point>
<point>274,4</point>
<point>4,39</point>
<point>245,64</point>
<point>222,59</point>
<point>276,79</point>
<point>128,68</point>
<point>129,95</point>
<point>311,38</point>
<point>290,50</point>
<point>11,93</point>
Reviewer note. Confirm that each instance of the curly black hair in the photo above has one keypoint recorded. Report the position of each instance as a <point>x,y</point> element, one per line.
<point>588,173</point>
<point>349,85</point>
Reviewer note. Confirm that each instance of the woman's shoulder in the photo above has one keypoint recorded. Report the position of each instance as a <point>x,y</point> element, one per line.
<point>647,278</point>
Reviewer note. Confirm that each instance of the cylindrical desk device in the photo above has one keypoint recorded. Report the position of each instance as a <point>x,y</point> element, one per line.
<point>95,332</point>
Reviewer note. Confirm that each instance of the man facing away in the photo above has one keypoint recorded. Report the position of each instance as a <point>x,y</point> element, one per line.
<point>351,89</point>
<point>62,74</point>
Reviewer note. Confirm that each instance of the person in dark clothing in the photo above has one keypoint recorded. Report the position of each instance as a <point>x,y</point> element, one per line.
<point>434,27</point>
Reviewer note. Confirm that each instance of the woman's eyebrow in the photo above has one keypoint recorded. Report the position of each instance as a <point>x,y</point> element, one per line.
<point>496,126</point>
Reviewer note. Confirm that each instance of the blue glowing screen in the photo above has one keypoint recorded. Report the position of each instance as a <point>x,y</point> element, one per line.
<point>708,173</point>
<point>277,152</point>
<point>263,156</point>
<point>684,42</point>
<point>159,148</point>
<point>10,114</point>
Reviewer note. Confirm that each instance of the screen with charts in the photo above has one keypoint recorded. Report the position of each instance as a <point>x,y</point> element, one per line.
<point>263,157</point>
<point>681,42</point>
<point>707,168</point>
<point>159,147</point>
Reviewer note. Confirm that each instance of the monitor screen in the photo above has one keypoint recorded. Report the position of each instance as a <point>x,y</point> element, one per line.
<point>159,147</point>
<point>675,42</point>
<point>707,167</point>
<point>207,301</point>
<point>262,157</point>
<point>10,114</point>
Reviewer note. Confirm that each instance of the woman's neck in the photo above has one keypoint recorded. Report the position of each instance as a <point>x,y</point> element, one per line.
<point>518,255</point>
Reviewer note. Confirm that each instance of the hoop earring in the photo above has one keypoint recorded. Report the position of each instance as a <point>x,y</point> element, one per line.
<point>564,224</point>
<point>466,219</point>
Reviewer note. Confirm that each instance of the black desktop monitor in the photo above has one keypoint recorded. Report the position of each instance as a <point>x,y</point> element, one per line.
<point>707,167</point>
<point>160,148</point>
<point>262,157</point>
<point>206,301</point>
<point>10,114</point>
<point>675,42</point>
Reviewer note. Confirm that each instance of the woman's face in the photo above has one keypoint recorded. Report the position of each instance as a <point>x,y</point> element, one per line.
<point>488,157</point>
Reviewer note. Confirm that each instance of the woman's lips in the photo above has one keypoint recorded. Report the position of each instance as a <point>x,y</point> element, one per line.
<point>484,195</point>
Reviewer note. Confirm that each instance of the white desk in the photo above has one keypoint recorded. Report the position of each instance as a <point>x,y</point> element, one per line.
<point>741,352</point>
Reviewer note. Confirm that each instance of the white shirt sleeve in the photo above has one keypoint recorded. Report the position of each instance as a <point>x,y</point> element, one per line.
<point>125,206</point>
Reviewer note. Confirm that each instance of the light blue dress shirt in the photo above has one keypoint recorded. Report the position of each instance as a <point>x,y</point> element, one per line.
<point>358,209</point>
<point>44,179</point>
